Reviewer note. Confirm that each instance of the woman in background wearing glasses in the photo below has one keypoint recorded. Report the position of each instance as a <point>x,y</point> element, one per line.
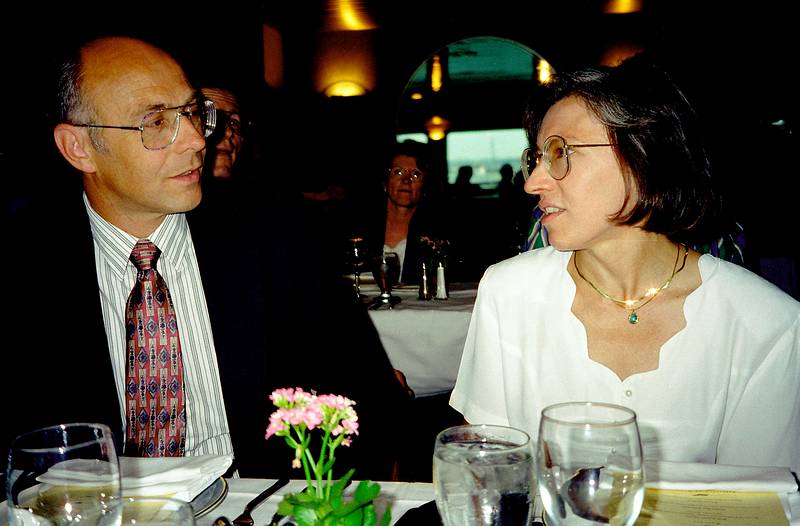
<point>618,309</point>
<point>408,214</point>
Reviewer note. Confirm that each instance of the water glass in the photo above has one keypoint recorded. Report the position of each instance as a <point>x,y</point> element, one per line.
<point>62,475</point>
<point>589,464</point>
<point>483,475</point>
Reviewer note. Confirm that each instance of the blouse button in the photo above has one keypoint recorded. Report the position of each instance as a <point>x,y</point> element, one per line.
<point>628,393</point>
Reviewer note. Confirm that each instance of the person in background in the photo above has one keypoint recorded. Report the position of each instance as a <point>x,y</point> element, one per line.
<point>618,308</point>
<point>408,222</point>
<point>228,136</point>
<point>238,280</point>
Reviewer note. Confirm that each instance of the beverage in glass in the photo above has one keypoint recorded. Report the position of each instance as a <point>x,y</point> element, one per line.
<point>483,475</point>
<point>62,475</point>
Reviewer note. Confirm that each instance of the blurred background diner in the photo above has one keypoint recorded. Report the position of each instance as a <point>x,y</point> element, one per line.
<point>324,86</point>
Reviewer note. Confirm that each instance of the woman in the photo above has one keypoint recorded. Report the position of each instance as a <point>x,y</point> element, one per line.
<point>407,219</point>
<point>618,309</point>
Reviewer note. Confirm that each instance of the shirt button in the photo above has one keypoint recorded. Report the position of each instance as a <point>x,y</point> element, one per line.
<point>628,393</point>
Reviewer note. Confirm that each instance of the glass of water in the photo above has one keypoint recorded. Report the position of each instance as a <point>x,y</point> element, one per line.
<point>589,464</point>
<point>483,475</point>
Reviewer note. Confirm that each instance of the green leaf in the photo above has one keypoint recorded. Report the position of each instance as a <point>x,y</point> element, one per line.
<point>304,516</point>
<point>285,507</point>
<point>352,519</point>
<point>303,499</point>
<point>387,516</point>
<point>369,515</point>
<point>339,485</point>
<point>367,491</point>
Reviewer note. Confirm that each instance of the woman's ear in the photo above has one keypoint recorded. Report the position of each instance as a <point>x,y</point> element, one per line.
<point>72,143</point>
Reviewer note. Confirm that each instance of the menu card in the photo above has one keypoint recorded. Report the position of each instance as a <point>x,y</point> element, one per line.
<point>664,507</point>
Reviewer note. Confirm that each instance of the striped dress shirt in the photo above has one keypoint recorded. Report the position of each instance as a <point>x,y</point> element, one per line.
<point>207,429</point>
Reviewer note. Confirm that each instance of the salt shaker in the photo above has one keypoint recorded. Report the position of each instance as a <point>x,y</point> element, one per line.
<point>441,285</point>
<point>424,292</point>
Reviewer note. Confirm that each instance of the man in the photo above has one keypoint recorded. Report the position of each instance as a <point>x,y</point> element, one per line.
<point>252,317</point>
<point>228,136</point>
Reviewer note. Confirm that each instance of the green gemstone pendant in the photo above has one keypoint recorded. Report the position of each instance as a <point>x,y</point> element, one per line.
<point>633,319</point>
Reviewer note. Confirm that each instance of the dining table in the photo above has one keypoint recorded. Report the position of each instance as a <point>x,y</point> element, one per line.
<point>401,496</point>
<point>405,496</point>
<point>424,338</point>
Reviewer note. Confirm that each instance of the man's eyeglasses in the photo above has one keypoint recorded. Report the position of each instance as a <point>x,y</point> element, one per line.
<point>402,173</point>
<point>555,154</point>
<point>160,128</point>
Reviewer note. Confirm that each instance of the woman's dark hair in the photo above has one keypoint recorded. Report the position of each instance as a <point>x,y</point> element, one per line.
<point>658,143</point>
<point>411,148</point>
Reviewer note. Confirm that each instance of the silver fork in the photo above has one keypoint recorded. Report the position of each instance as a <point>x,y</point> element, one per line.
<point>246,519</point>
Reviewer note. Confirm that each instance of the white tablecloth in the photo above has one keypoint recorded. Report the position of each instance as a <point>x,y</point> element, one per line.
<point>425,339</point>
<point>402,496</point>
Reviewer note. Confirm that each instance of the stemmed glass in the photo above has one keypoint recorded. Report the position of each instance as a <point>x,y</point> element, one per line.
<point>483,476</point>
<point>386,270</point>
<point>357,256</point>
<point>63,474</point>
<point>589,464</point>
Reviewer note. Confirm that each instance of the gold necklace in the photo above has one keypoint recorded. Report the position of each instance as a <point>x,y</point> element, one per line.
<point>630,305</point>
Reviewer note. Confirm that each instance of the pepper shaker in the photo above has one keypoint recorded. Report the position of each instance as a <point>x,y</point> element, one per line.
<point>424,291</point>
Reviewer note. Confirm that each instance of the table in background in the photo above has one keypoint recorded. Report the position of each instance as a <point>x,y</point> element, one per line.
<point>425,339</point>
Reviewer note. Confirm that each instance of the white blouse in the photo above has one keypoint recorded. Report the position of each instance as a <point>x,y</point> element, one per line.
<point>727,389</point>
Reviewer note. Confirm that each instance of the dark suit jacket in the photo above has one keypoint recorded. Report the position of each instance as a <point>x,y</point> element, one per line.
<point>275,322</point>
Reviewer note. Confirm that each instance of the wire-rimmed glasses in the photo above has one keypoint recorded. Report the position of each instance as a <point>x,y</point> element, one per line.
<point>402,173</point>
<point>555,154</point>
<point>160,128</point>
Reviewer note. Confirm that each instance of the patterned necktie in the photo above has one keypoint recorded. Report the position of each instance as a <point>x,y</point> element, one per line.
<point>155,398</point>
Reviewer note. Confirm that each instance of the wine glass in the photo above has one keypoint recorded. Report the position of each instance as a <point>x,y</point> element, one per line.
<point>61,475</point>
<point>151,511</point>
<point>589,464</point>
<point>483,475</point>
<point>357,256</point>
<point>386,270</point>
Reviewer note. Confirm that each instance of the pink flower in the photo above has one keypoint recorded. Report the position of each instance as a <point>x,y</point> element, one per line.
<point>299,412</point>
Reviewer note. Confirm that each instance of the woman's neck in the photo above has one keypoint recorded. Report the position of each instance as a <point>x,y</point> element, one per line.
<point>627,268</point>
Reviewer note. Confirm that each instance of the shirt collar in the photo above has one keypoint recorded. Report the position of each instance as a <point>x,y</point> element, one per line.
<point>116,245</point>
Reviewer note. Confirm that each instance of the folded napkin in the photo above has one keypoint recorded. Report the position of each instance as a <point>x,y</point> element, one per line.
<point>692,476</point>
<point>180,477</point>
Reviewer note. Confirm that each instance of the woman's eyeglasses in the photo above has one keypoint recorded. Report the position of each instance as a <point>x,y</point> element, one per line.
<point>403,173</point>
<point>555,154</point>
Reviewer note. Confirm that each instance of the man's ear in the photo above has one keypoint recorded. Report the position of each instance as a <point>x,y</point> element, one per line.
<point>72,142</point>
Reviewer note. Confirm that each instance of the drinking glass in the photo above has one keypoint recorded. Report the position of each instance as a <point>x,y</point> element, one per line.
<point>386,269</point>
<point>589,464</point>
<point>62,475</point>
<point>483,475</point>
<point>151,511</point>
